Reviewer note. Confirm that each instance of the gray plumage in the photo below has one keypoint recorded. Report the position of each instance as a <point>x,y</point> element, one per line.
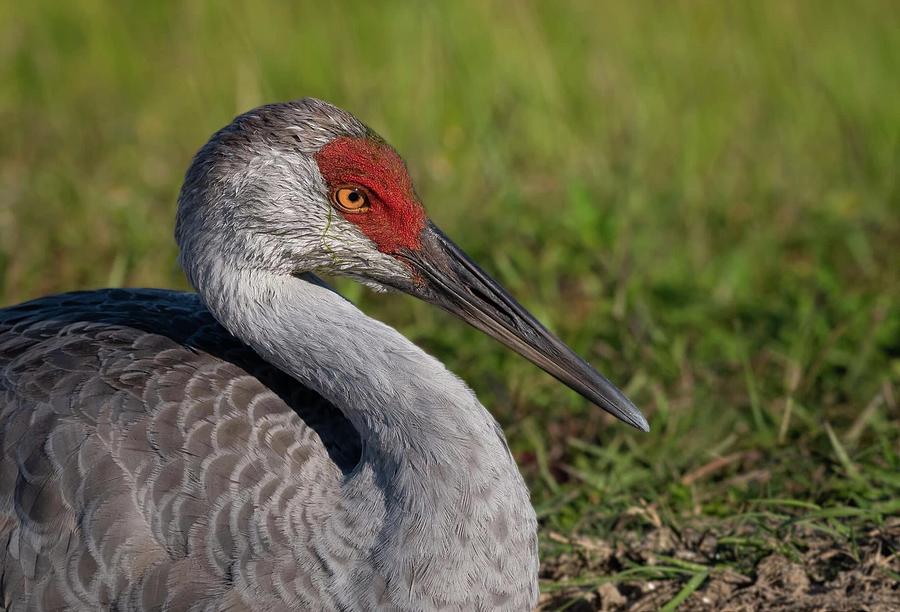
<point>262,445</point>
<point>152,460</point>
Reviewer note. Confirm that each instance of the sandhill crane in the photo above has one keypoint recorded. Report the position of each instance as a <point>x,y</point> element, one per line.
<point>262,444</point>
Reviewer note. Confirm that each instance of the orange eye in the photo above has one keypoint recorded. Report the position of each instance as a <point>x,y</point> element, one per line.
<point>351,199</point>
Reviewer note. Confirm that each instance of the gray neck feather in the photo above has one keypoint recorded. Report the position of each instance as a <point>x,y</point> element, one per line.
<point>397,396</point>
<point>437,493</point>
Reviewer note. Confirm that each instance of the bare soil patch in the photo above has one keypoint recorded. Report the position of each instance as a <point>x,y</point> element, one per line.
<point>740,568</point>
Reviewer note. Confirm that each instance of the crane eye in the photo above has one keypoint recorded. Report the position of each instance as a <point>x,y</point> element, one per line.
<point>351,199</point>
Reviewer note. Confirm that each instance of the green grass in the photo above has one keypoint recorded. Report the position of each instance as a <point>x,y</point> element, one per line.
<point>702,198</point>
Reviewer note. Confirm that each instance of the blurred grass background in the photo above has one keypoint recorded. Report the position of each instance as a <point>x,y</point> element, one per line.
<point>702,198</point>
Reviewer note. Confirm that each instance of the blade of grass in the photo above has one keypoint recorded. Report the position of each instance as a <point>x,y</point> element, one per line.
<point>692,585</point>
<point>841,453</point>
<point>538,444</point>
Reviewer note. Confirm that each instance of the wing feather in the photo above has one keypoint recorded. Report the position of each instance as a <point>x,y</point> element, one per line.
<point>149,458</point>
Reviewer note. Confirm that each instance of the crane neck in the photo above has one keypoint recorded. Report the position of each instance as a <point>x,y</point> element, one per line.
<point>393,393</point>
<point>436,479</point>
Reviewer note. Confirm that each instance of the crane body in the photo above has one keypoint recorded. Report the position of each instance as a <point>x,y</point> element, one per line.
<point>262,444</point>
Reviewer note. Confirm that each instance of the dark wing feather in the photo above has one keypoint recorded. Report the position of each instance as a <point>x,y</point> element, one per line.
<point>147,457</point>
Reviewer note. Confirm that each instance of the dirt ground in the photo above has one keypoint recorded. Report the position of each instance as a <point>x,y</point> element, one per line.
<point>816,571</point>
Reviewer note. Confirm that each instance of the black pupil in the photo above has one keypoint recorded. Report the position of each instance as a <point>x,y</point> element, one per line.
<point>353,196</point>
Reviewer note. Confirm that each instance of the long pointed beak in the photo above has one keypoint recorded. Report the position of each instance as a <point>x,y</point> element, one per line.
<point>452,281</point>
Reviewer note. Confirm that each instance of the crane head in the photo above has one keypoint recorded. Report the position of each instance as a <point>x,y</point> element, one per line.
<point>306,187</point>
